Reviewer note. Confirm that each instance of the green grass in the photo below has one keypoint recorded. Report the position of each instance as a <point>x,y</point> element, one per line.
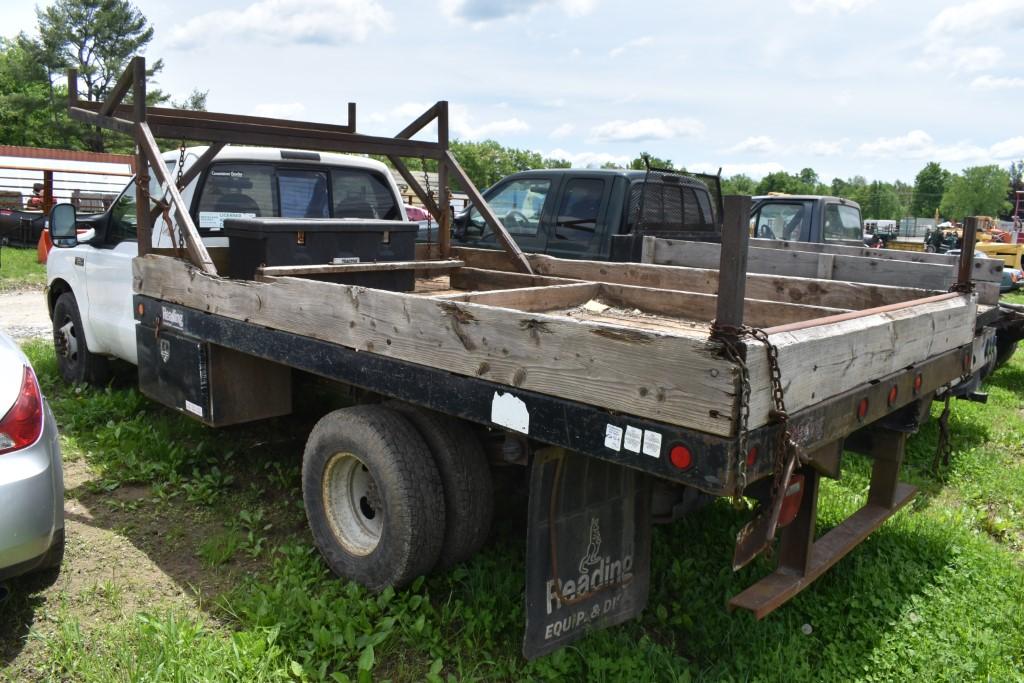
<point>937,594</point>
<point>20,270</point>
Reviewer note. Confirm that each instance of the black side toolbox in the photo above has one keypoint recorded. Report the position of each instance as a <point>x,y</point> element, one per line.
<point>255,242</point>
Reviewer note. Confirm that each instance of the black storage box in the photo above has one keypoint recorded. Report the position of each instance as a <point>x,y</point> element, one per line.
<point>255,242</point>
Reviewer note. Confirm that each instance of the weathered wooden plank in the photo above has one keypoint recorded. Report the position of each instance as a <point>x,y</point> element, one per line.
<point>812,292</point>
<point>537,299</point>
<point>672,378</point>
<point>342,268</point>
<point>806,264</point>
<point>821,361</point>
<point>703,307</point>
<point>983,269</point>
<point>685,306</point>
<point>474,279</point>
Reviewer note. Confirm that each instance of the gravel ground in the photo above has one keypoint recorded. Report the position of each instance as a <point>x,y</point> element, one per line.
<point>23,314</point>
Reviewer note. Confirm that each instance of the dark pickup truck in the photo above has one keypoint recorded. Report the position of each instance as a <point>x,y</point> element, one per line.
<point>807,218</point>
<point>595,214</point>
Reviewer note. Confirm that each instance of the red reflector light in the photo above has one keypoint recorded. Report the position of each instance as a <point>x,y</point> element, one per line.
<point>967,362</point>
<point>918,381</point>
<point>681,457</point>
<point>23,423</point>
<point>751,456</point>
<point>862,408</point>
<point>893,393</point>
<point>791,500</point>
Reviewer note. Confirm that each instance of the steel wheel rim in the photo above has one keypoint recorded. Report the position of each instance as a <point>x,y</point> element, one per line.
<point>66,340</point>
<point>352,504</point>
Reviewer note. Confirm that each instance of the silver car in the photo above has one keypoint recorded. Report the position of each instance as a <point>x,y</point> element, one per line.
<point>31,477</point>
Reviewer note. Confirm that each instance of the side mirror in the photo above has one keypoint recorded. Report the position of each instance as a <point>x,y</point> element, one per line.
<point>63,225</point>
<point>459,223</point>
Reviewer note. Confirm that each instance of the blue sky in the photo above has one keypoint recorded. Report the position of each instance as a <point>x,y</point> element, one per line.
<point>844,86</point>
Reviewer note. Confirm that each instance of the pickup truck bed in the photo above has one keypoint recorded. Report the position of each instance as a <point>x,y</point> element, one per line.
<point>607,339</point>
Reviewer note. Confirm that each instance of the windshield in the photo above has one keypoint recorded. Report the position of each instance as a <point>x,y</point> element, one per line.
<point>256,190</point>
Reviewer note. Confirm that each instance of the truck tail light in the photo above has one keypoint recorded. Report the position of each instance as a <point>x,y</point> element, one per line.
<point>23,423</point>
<point>680,456</point>
<point>791,500</point>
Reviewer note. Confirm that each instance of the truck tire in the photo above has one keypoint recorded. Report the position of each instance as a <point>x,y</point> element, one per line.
<point>373,497</point>
<point>76,364</point>
<point>465,477</point>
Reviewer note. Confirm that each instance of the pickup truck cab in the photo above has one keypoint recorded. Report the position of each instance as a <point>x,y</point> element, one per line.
<point>89,285</point>
<point>807,218</point>
<point>587,213</point>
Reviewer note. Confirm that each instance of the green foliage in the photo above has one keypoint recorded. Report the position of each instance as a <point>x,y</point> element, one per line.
<point>488,162</point>
<point>640,162</point>
<point>739,184</point>
<point>879,200</point>
<point>96,37</point>
<point>806,182</point>
<point>20,269</point>
<point>929,186</point>
<point>978,191</point>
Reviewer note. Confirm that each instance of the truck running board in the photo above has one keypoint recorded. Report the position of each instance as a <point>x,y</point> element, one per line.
<point>802,559</point>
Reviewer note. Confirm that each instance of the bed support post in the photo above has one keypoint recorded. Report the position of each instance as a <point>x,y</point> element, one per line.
<point>732,270</point>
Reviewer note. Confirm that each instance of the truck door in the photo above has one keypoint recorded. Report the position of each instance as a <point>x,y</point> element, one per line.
<point>108,278</point>
<point>521,204</point>
<point>777,220</point>
<point>581,219</point>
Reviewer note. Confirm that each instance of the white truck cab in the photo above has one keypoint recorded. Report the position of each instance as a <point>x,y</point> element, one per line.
<point>89,285</point>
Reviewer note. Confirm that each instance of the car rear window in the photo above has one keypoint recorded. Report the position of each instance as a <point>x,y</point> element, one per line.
<point>254,190</point>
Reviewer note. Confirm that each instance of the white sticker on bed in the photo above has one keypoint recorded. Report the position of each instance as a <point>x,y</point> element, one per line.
<point>510,411</point>
<point>215,219</point>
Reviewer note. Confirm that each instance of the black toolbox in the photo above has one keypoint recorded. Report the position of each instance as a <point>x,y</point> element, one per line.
<point>255,242</point>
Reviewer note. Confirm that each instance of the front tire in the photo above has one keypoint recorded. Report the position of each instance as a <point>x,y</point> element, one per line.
<point>77,365</point>
<point>373,497</point>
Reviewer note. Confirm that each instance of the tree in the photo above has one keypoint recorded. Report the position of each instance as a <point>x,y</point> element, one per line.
<point>929,185</point>
<point>880,201</point>
<point>1016,182</point>
<point>24,97</point>
<point>98,38</point>
<point>638,164</point>
<point>979,191</point>
<point>739,184</point>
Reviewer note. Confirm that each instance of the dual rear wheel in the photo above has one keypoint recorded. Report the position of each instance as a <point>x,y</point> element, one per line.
<point>393,492</point>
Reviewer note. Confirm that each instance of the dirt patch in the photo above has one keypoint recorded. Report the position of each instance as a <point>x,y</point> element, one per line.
<point>23,314</point>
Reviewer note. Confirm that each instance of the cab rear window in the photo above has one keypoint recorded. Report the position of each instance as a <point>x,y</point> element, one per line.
<point>253,190</point>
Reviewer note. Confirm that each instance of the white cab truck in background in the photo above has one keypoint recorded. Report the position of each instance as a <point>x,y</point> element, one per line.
<point>89,285</point>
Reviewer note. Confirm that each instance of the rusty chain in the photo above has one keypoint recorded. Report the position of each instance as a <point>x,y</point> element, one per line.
<point>785,446</point>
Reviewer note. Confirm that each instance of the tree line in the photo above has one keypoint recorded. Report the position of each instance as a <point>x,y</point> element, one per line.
<point>99,37</point>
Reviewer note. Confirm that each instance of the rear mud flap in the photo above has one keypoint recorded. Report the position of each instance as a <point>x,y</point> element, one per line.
<point>588,548</point>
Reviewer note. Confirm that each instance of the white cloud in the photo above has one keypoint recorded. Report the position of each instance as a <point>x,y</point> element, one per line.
<point>988,82</point>
<point>280,110</point>
<point>757,144</point>
<point>483,11</point>
<point>326,22</point>
<point>834,6</point>
<point>825,148</point>
<point>629,45</point>
<point>1008,150</point>
<point>589,159</point>
<point>645,129</point>
<point>755,170</point>
<point>972,59</point>
<point>564,130</point>
<point>977,17</point>
<point>917,145</point>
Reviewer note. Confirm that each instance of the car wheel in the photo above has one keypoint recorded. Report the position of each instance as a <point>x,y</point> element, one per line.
<point>373,497</point>
<point>77,365</point>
